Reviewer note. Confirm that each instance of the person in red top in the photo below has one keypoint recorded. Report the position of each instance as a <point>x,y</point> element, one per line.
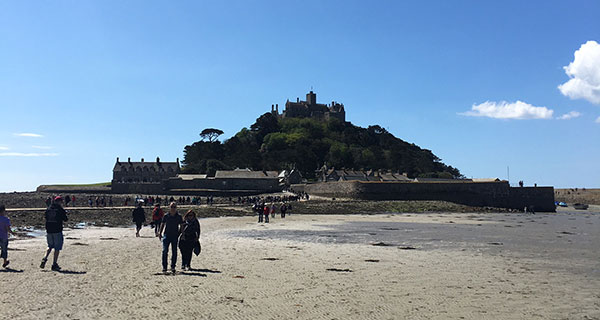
<point>157,216</point>
<point>266,213</point>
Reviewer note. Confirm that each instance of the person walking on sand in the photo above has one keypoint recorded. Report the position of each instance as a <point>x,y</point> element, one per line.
<point>283,210</point>
<point>55,216</point>
<point>4,230</point>
<point>266,212</point>
<point>189,239</point>
<point>259,209</point>
<point>171,226</point>
<point>139,217</point>
<point>157,216</point>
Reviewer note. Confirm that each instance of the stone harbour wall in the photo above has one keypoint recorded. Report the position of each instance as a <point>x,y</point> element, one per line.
<point>481,194</point>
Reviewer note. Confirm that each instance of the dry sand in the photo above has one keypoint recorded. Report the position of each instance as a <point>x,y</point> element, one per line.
<point>464,266</point>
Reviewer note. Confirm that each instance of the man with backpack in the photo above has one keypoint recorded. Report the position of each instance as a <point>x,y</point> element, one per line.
<point>55,216</point>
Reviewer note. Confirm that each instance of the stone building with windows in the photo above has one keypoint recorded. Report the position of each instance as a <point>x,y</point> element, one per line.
<point>142,177</point>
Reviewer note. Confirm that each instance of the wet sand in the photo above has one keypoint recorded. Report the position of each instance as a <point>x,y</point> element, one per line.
<point>417,266</point>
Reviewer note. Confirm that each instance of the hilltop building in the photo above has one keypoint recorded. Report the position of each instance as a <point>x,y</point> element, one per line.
<point>311,109</point>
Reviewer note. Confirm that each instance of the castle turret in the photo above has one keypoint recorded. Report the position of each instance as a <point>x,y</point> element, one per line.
<point>311,98</point>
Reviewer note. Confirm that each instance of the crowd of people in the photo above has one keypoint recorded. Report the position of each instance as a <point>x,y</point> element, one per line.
<point>173,230</point>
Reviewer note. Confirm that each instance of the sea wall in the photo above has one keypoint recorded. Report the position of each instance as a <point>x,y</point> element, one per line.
<point>214,187</point>
<point>138,188</point>
<point>224,184</point>
<point>482,194</point>
<point>541,198</point>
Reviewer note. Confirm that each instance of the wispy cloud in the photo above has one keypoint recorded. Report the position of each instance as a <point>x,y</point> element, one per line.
<point>570,115</point>
<point>30,135</point>
<point>4,148</point>
<point>21,154</point>
<point>597,120</point>
<point>584,72</point>
<point>42,147</point>
<point>508,110</point>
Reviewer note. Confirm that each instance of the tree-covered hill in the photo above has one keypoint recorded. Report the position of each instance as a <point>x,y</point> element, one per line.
<point>306,144</point>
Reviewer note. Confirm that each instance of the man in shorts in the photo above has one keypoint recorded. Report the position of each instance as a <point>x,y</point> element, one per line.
<point>55,216</point>
<point>139,217</point>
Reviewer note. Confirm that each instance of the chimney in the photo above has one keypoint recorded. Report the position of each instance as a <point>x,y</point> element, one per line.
<point>142,159</point>
<point>129,160</point>
<point>297,99</point>
<point>272,108</point>
<point>177,161</point>
<point>157,160</point>
<point>277,108</point>
<point>118,160</point>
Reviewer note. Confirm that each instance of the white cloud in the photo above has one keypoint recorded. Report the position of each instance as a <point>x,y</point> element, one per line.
<point>509,110</point>
<point>20,154</point>
<point>598,120</point>
<point>570,115</point>
<point>4,148</point>
<point>41,147</point>
<point>30,135</point>
<point>584,72</point>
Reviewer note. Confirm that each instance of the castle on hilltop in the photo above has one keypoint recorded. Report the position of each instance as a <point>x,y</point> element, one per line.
<point>310,109</point>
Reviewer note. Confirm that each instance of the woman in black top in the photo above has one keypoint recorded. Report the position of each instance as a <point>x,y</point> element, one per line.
<point>189,239</point>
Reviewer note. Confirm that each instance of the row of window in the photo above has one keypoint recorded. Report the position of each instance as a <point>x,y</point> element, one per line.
<point>145,169</point>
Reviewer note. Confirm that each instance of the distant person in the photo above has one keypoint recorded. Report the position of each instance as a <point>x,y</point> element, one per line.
<point>157,216</point>
<point>72,201</point>
<point>67,200</point>
<point>189,239</point>
<point>259,209</point>
<point>266,212</point>
<point>55,216</point>
<point>110,202</point>
<point>273,209</point>
<point>48,202</point>
<point>4,230</point>
<point>283,210</point>
<point>139,217</point>
<point>171,226</point>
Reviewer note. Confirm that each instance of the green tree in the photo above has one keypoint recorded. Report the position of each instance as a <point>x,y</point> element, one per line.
<point>210,134</point>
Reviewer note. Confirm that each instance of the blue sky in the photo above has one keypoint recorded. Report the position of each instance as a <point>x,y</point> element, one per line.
<point>476,82</point>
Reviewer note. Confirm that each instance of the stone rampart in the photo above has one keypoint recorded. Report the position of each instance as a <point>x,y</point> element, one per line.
<point>482,194</point>
<point>138,188</point>
<point>541,198</point>
<point>224,184</point>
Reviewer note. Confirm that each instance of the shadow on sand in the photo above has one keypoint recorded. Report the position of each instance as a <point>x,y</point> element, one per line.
<point>11,270</point>
<point>205,270</point>
<point>63,271</point>
<point>179,273</point>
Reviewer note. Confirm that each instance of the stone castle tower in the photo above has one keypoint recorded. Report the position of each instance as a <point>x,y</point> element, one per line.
<point>311,109</point>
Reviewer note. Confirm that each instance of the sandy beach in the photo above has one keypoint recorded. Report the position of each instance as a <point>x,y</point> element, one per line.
<point>413,266</point>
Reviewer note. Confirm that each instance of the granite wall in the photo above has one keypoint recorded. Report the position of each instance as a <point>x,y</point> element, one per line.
<point>491,194</point>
